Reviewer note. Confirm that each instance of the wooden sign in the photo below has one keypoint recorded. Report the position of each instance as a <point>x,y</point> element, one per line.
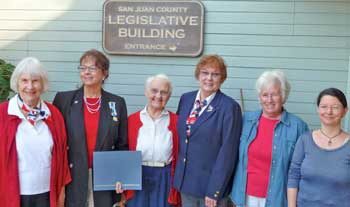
<point>162,28</point>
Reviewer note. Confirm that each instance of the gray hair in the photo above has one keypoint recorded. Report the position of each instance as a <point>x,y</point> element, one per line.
<point>272,77</point>
<point>31,66</point>
<point>162,77</point>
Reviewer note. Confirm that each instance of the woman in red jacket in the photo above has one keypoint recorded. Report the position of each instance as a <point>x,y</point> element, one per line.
<point>153,132</point>
<point>33,153</point>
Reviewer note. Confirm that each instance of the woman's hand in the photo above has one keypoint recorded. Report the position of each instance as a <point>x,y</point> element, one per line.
<point>121,203</point>
<point>60,202</point>
<point>118,187</point>
<point>210,202</point>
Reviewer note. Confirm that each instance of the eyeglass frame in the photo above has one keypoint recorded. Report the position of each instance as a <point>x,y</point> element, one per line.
<point>335,108</point>
<point>91,69</point>
<point>155,91</point>
<point>273,96</point>
<point>208,74</point>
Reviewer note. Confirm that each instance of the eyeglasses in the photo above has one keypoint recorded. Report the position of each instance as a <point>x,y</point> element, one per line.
<point>155,91</point>
<point>91,69</point>
<point>207,74</point>
<point>271,95</point>
<point>334,108</point>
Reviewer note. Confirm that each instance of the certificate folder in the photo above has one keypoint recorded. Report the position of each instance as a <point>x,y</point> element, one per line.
<point>117,166</point>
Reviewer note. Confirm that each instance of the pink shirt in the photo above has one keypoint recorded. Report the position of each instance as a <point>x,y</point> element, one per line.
<point>259,158</point>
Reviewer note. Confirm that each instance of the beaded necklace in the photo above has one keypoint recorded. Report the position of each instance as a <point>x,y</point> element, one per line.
<point>93,107</point>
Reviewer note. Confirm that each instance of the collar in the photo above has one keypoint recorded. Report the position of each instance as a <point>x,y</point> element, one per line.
<point>255,116</point>
<point>14,107</point>
<point>208,99</point>
<point>145,112</point>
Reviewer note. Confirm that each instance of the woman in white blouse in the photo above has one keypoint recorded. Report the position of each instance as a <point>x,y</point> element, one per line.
<point>33,153</point>
<point>153,132</point>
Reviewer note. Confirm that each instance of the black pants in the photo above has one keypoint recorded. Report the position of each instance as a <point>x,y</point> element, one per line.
<point>37,200</point>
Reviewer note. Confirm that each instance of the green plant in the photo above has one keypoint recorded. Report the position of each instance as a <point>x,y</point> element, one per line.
<point>6,70</point>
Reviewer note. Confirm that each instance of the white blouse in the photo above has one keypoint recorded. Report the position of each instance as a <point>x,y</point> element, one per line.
<point>34,150</point>
<point>154,138</point>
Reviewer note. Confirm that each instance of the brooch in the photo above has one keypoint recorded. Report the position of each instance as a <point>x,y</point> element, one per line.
<point>210,108</point>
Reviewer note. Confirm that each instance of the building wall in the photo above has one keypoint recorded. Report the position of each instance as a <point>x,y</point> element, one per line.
<point>309,40</point>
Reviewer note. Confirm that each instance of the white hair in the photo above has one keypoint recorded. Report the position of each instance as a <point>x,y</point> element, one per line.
<point>273,77</point>
<point>31,66</point>
<point>162,77</point>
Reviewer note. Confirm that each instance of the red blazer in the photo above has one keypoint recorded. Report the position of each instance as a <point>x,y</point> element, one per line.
<point>134,124</point>
<point>9,180</point>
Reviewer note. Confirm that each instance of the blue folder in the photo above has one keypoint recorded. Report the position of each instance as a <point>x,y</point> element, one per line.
<point>117,166</point>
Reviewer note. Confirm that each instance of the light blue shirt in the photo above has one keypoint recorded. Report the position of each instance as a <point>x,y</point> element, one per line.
<point>285,135</point>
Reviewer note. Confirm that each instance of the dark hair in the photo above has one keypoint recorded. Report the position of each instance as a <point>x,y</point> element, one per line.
<point>213,61</point>
<point>101,61</point>
<point>335,93</point>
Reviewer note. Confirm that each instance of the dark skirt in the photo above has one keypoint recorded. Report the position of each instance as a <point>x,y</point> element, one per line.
<point>37,200</point>
<point>155,188</point>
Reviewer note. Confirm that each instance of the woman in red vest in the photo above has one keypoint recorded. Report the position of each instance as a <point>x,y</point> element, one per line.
<point>33,152</point>
<point>153,132</point>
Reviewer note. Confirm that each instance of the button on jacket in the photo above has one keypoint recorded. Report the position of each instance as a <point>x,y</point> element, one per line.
<point>286,133</point>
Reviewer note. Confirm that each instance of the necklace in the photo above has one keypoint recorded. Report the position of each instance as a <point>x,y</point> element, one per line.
<point>93,107</point>
<point>330,138</point>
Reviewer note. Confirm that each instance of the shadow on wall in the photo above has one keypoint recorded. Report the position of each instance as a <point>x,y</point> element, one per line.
<point>57,32</point>
<point>309,41</point>
<point>54,31</point>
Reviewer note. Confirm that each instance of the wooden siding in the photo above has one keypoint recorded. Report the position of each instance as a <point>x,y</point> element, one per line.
<point>309,40</point>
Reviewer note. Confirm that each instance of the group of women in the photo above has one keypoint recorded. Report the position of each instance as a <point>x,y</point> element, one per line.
<point>206,154</point>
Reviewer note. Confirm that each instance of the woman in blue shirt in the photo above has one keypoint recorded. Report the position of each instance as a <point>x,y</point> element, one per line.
<point>275,154</point>
<point>319,174</point>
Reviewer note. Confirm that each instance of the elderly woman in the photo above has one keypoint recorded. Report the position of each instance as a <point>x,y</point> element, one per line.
<point>266,147</point>
<point>153,132</point>
<point>319,174</point>
<point>96,121</point>
<point>33,153</point>
<point>209,127</point>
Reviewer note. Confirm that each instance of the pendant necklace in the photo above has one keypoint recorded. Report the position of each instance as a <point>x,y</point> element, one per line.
<point>330,138</point>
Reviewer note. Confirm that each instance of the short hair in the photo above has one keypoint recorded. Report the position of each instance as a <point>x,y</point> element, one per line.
<point>33,67</point>
<point>101,60</point>
<point>214,61</point>
<point>335,93</point>
<point>162,77</point>
<point>271,77</point>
